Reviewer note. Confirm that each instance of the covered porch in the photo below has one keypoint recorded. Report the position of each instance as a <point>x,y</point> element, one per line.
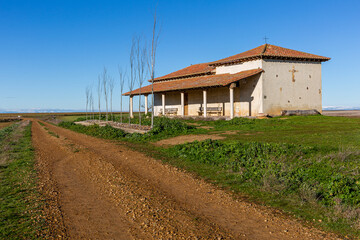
<point>226,95</point>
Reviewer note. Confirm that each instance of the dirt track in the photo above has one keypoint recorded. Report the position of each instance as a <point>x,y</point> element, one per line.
<point>101,190</point>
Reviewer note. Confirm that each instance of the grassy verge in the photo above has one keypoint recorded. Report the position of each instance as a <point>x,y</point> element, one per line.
<point>20,209</point>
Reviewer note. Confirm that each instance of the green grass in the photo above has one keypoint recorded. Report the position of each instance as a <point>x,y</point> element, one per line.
<point>326,131</point>
<point>20,209</point>
<point>68,118</point>
<point>307,166</point>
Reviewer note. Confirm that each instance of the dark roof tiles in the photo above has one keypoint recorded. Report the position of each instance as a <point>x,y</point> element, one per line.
<point>197,82</point>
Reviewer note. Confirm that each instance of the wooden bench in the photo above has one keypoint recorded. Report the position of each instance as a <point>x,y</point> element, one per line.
<point>169,111</point>
<point>210,110</point>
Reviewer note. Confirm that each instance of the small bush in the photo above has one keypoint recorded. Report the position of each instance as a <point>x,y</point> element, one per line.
<point>169,126</point>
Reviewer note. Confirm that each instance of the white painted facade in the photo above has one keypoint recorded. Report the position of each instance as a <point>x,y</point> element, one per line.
<point>269,92</point>
<point>239,67</point>
<point>280,92</point>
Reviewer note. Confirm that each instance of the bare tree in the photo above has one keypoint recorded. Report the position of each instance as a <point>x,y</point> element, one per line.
<point>105,89</point>
<point>141,60</point>
<point>122,81</point>
<point>87,93</point>
<point>132,78</point>
<point>91,104</point>
<point>154,44</point>
<point>111,83</point>
<point>99,91</point>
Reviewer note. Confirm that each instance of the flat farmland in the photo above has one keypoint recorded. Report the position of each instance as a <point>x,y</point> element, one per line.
<point>277,178</point>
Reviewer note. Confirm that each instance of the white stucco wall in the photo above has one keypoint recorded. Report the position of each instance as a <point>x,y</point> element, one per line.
<point>239,67</point>
<point>281,93</point>
<point>269,92</point>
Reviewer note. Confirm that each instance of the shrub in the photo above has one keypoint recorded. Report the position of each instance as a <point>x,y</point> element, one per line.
<point>280,168</point>
<point>169,126</point>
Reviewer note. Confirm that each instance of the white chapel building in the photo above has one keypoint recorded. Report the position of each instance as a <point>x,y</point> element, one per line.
<point>265,80</point>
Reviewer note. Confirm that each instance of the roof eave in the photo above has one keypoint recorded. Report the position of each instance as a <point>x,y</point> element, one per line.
<point>232,62</point>
<point>180,77</point>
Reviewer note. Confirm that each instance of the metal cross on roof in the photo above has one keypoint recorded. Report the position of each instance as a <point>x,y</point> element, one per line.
<point>265,39</point>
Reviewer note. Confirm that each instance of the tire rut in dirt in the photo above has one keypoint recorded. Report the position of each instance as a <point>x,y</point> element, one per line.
<point>91,188</point>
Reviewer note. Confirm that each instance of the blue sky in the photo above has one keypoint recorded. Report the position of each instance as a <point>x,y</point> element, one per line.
<point>51,50</point>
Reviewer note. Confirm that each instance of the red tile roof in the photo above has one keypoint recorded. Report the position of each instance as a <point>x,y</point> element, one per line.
<point>196,69</point>
<point>197,82</point>
<point>267,51</point>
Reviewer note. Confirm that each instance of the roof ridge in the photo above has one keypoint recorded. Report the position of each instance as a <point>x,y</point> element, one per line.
<point>264,50</point>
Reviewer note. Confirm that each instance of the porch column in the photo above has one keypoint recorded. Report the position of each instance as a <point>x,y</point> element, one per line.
<point>205,102</point>
<point>146,104</point>
<point>182,104</point>
<point>231,101</point>
<point>131,107</point>
<point>163,103</point>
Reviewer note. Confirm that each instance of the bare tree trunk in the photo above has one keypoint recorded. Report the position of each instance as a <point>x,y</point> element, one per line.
<point>111,88</point>
<point>99,96</point>
<point>105,89</point>
<point>132,78</point>
<point>87,101</point>
<point>141,60</point>
<point>91,105</point>
<point>122,81</point>
<point>154,44</point>
<point>87,92</point>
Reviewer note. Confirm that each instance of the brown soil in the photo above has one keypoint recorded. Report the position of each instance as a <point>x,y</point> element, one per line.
<point>187,139</point>
<point>103,190</point>
<point>205,127</point>
<point>5,124</point>
<point>193,124</point>
<point>343,113</point>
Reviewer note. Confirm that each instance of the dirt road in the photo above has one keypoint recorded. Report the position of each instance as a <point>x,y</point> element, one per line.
<point>99,189</point>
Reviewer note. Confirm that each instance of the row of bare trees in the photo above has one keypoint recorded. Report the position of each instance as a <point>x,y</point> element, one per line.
<point>142,65</point>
